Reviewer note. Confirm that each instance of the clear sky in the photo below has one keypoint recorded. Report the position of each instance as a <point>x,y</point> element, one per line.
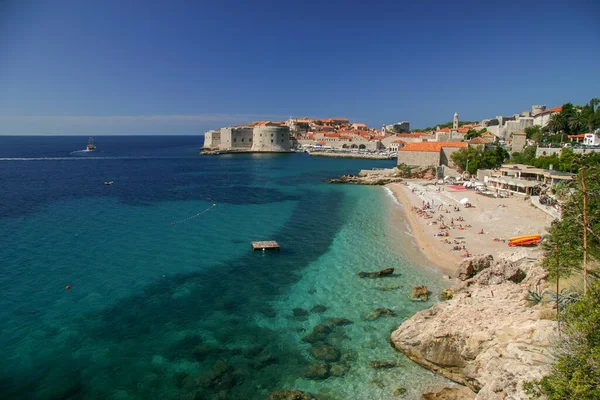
<point>181,67</point>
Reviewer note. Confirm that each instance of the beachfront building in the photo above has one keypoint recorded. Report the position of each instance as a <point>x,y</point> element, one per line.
<point>263,136</point>
<point>429,154</point>
<point>525,179</point>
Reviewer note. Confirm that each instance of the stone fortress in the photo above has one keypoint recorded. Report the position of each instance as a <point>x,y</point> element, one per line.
<point>263,136</point>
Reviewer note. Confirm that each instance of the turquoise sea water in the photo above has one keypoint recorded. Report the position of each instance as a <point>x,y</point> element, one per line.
<point>167,304</point>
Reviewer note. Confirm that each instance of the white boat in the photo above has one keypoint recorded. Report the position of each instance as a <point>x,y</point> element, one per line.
<point>108,183</point>
<point>90,146</point>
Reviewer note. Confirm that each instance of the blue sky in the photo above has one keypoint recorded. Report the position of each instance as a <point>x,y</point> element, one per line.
<point>181,67</point>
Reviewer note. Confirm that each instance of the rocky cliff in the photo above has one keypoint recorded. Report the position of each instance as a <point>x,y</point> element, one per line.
<point>487,337</point>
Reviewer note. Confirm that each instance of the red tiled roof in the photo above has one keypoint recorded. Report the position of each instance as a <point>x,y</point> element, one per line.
<point>416,134</point>
<point>432,146</point>
<point>399,141</point>
<point>480,140</point>
<point>580,136</point>
<point>550,110</point>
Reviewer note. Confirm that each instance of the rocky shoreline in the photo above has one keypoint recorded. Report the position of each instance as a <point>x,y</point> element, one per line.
<point>487,337</point>
<point>371,177</point>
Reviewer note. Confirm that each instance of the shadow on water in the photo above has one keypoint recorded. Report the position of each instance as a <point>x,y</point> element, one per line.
<point>191,336</point>
<point>29,186</point>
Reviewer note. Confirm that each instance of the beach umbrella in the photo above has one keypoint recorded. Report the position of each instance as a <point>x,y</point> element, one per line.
<point>464,201</point>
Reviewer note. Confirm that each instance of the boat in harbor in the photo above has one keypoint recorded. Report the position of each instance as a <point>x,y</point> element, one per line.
<point>90,146</point>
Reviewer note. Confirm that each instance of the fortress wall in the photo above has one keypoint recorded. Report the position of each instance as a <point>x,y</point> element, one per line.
<point>212,139</point>
<point>236,138</point>
<point>271,138</point>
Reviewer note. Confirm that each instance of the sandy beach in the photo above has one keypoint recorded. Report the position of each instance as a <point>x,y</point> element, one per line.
<point>498,219</point>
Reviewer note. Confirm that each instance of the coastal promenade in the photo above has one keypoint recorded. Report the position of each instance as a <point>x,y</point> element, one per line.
<point>352,155</point>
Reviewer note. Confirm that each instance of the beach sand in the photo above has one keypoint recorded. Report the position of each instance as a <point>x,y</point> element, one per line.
<point>498,218</point>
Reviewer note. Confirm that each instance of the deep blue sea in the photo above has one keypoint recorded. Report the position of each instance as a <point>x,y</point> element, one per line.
<point>166,299</point>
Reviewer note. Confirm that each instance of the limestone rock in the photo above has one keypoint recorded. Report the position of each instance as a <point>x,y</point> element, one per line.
<point>383,364</point>
<point>317,371</point>
<point>380,312</point>
<point>222,376</point>
<point>318,334</point>
<point>450,393</point>
<point>325,352</point>
<point>339,369</point>
<point>337,321</point>
<point>291,395</point>
<point>299,312</point>
<point>319,308</point>
<point>473,265</point>
<point>379,274</point>
<point>500,272</point>
<point>486,337</point>
<point>419,293</point>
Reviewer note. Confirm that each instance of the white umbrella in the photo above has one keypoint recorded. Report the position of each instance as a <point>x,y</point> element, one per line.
<point>464,201</point>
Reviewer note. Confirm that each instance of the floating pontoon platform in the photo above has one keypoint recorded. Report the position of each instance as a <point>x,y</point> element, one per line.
<point>265,245</point>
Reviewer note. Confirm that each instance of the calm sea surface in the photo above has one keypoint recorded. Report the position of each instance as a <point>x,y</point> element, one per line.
<point>166,298</point>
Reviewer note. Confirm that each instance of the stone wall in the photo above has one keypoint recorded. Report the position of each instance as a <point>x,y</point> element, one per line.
<point>212,139</point>
<point>271,138</point>
<point>419,158</point>
<point>445,156</point>
<point>517,125</point>
<point>518,142</point>
<point>236,138</point>
<point>548,151</point>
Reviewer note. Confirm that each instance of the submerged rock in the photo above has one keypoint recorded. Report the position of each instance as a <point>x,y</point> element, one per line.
<point>419,293</point>
<point>399,391</point>
<point>318,334</point>
<point>299,312</point>
<point>222,376</point>
<point>265,360</point>
<point>178,378</point>
<point>319,308</point>
<point>317,371</point>
<point>339,369</point>
<point>380,312</point>
<point>450,393</point>
<point>379,274</point>
<point>325,352</point>
<point>379,383</point>
<point>337,321</point>
<point>383,364</point>
<point>292,394</point>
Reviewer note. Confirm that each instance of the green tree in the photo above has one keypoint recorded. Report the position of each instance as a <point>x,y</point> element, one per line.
<point>527,156</point>
<point>556,123</point>
<point>576,374</point>
<point>472,154</point>
<point>494,158</point>
<point>534,133</point>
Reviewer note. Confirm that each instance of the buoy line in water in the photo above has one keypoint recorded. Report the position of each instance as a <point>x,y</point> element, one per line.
<point>194,216</point>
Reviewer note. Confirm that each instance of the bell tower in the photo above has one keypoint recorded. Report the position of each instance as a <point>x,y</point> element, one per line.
<point>455,123</point>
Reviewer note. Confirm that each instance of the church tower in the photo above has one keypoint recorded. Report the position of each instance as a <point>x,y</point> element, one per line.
<point>455,124</point>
